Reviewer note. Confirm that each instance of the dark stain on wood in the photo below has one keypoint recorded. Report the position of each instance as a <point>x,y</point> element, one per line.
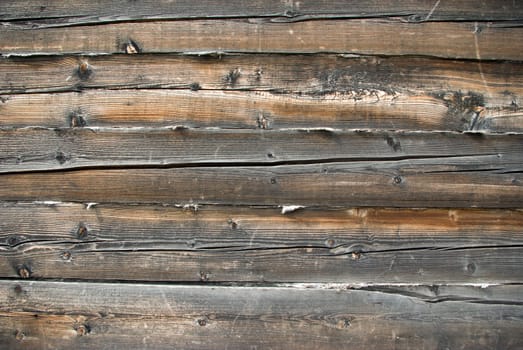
<point>262,174</point>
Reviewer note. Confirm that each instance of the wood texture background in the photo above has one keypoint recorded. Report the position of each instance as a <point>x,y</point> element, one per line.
<point>261,175</point>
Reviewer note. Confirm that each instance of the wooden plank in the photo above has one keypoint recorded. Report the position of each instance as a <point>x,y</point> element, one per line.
<point>240,110</point>
<point>100,11</point>
<point>118,316</point>
<point>45,149</point>
<point>254,110</point>
<point>468,40</point>
<point>314,75</point>
<point>222,244</point>
<point>313,91</point>
<point>462,181</point>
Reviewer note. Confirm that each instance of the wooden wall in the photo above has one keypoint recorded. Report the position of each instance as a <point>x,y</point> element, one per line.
<point>261,175</point>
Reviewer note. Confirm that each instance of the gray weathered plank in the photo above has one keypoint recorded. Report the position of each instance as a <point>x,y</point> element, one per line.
<point>45,149</point>
<point>426,182</point>
<point>222,244</point>
<point>118,316</point>
<point>100,11</point>
<point>484,41</point>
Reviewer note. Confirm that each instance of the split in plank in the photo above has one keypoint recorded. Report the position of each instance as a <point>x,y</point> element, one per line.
<point>37,149</point>
<point>74,12</point>
<point>228,244</point>
<point>118,316</point>
<point>462,181</point>
<point>494,83</point>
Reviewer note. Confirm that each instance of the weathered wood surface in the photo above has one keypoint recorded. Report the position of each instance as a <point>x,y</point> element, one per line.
<point>222,244</point>
<point>287,91</point>
<point>406,152</point>
<point>302,75</point>
<point>467,40</point>
<point>366,109</point>
<point>402,183</point>
<point>109,316</point>
<point>263,174</point>
<point>246,110</point>
<point>79,12</point>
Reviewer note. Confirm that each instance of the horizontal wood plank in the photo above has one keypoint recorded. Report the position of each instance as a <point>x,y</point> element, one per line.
<point>310,75</point>
<point>485,41</point>
<point>117,316</point>
<point>222,244</point>
<point>301,91</point>
<point>257,110</point>
<point>100,11</point>
<point>488,180</point>
<point>45,149</point>
<point>265,174</point>
<point>243,110</point>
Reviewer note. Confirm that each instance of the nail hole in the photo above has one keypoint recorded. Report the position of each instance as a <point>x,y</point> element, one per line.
<point>397,180</point>
<point>471,268</point>
<point>204,277</point>
<point>24,271</point>
<point>84,71</point>
<point>195,87</point>
<point>233,224</point>
<point>12,241</point>
<point>82,330</point>
<point>343,323</point>
<point>61,157</point>
<point>330,242</point>
<point>273,180</point>
<point>82,231</point>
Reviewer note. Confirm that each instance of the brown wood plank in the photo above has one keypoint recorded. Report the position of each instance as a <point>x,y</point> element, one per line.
<point>315,75</point>
<point>317,91</point>
<point>252,110</point>
<point>487,180</point>
<point>78,12</point>
<point>240,110</point>
<point>469,40</point>
<point>221,244</point>
<point>118,316</point>
<point>45,149</point>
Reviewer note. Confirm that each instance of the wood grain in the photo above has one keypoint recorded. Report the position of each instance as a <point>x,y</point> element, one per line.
<point>44,149</point>
<point>222,244</point>
<point>485,41</point>
<point>264,174</point>
<point>310,75</point>
<point>243,110</point>
<point>257,110</point>
<point>300,91</point>
<point>431,182</point>
<point>100,11</point>
<point>116,316</point>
